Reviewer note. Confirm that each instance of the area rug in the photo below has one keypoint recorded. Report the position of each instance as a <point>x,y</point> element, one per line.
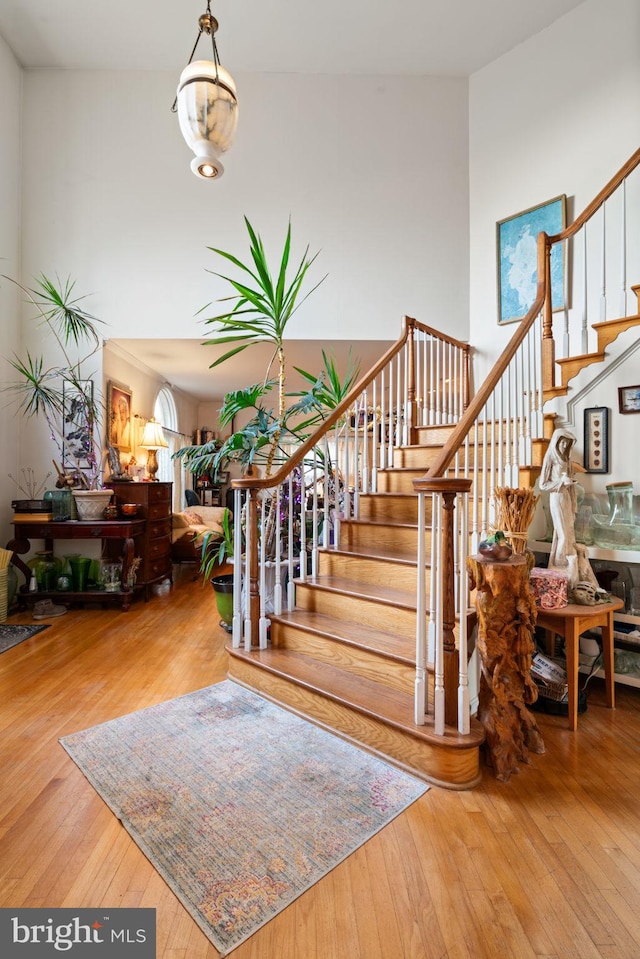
<point>11,634</point>
<point>240,805</point>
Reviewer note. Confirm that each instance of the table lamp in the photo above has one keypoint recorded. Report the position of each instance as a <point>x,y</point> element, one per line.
<point>152,440</point>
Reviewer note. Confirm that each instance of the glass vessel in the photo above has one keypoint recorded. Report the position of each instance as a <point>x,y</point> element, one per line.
<point>620,503</point>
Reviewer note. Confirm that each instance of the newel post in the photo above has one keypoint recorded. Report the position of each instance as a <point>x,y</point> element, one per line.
<point>548,344</point>
<point>253,604</point>
<point>447,489</point>
<point>412,417</point>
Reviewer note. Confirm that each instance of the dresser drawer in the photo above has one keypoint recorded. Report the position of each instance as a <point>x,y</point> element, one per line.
<point>157,528</point>
<point>158,547</point>
<point>160,493</point>
<point>154,569</point>
<point>158,511</point>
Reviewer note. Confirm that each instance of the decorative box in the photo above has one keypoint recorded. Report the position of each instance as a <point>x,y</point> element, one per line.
<point>550,588</point>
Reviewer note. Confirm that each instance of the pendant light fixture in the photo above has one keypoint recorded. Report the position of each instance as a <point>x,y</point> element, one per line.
<point>207,106</point>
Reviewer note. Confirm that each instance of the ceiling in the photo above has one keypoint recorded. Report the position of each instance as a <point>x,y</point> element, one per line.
<point>428,37</point>
<point>184,364</point>
<point>438,37</point>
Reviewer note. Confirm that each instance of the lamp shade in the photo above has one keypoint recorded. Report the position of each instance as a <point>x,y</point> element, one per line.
<point>208,114</point>
<point>153,437</point>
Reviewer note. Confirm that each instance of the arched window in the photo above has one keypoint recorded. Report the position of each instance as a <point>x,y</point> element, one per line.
<point>169,470</point>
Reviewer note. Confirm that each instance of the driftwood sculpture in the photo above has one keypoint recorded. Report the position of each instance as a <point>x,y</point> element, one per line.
<point>507,616</point>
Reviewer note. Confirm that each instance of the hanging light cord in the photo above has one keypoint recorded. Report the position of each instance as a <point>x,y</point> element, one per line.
<point>207,23</point>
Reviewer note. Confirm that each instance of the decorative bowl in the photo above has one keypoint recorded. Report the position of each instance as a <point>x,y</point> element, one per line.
<point>129,509</point>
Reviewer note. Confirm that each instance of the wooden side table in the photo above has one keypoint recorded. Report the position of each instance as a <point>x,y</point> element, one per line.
<point>571,622</point>
<point>128,531</point>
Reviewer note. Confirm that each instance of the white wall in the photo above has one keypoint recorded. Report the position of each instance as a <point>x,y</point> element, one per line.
<point>10,104</point>
<point>144,384</point>
<point>559,114</point>
<point>372,171</point>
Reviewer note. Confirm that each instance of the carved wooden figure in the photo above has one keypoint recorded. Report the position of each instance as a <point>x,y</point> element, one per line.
<point>506,621</point>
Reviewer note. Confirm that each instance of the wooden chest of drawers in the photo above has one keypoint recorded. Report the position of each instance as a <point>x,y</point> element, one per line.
<point>154,506</point>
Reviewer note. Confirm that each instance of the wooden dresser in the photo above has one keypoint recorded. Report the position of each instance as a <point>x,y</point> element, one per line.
<point>154,502</point>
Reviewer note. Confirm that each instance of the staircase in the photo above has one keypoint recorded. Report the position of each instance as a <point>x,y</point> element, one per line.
<point>351,649</point>
<point>345,656</point>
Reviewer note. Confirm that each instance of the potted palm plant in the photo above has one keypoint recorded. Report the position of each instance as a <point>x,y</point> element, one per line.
<point>62,393</point>
<point>215,552</point>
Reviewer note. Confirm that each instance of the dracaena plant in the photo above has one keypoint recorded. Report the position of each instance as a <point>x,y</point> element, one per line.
<point>41,389</point>
<point>262,305</point>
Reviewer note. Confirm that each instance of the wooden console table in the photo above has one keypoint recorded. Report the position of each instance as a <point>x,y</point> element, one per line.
<point>124,530</point>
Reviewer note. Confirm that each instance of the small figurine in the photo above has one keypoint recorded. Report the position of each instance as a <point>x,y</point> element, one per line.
<point>496,547</point>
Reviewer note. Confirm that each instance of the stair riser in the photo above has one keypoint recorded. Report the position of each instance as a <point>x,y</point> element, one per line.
<point>397,509</point>
<point>365,537</point>
<point>441,765</point>
<point>439,435</point>
<point>416,457</point>
<point>393,481</point>
<point>370,571</point>
<point>355,609</point>
<point>353,659</point>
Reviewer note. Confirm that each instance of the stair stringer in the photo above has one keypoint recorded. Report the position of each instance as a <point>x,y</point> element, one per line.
<point>588,380</point>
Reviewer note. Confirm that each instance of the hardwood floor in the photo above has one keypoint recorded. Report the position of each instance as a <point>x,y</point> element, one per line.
<point>545,866</point>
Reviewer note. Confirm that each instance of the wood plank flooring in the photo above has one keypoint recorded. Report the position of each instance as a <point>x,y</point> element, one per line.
<point>545,866</point>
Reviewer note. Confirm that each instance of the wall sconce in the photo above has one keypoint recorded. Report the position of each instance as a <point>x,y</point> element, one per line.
<point>152,440</point>
<point>207,105</point>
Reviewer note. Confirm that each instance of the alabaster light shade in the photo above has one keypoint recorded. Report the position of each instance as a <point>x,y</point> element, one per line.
<point>208,114</point>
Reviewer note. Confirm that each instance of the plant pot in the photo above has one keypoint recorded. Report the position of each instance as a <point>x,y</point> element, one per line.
<point>91,502</point>
<point>223,589</point>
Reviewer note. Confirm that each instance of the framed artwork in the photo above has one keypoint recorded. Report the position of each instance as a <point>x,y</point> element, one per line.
<point>77,401</point>
<point>629,399</point>
<point>596,439</point>
<point>517,253</point>
<point>119,423</point>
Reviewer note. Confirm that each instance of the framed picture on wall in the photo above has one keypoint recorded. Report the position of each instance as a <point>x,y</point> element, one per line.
<point>517,254</point>
<point>77,401</point>
<point>596,439</point>
<point>629,399</point>
<point>119,420</point>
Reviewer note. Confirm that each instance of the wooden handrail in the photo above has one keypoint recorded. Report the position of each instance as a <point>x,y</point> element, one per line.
<point>470,415</point>
<point>409,325</point>
<point>545,243</point>
<point>595,204</point>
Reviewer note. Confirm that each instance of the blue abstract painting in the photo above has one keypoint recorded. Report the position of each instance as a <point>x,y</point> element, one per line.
<point>517,259</point>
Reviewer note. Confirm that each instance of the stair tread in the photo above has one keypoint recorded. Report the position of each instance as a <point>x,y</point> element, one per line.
<point>632,320</point>
<point>370,591</point>
<point>382,555</point>
<point>377,522</point>
<point>376,700</point>
<point>351,634</point>
<point>381,551</point>
<point>593,357</point>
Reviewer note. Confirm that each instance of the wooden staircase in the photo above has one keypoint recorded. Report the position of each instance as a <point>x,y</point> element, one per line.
<point>606,332</point>
<point>345,656</point>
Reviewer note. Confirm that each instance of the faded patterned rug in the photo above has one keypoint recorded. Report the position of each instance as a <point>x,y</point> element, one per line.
<point>12,633</point>
<point>240,805</point>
